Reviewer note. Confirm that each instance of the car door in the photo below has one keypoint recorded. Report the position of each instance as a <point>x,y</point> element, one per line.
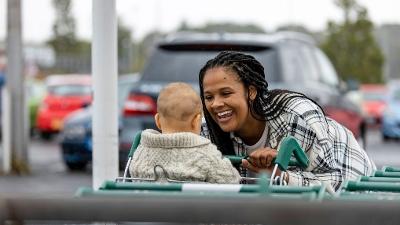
<point>339,107</point>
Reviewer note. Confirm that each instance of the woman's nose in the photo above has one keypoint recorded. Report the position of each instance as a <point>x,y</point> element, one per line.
<point>218,102</point>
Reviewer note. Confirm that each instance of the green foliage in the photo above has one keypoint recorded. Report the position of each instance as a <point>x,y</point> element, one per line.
<point>352,47</point>
<point>64,41</point>
<point>73,54</point>
<point>124,40</point>
<point>143,49</point>
<point>223,27</point>
<point>294,27</point>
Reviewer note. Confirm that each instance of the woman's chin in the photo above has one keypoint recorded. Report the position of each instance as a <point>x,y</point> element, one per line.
<point>226,127</point>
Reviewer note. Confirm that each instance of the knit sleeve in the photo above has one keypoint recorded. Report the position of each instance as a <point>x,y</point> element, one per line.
<point>219,169</point>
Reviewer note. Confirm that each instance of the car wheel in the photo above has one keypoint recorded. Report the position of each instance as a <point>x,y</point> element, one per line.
<point>45,135</point>
<point>76,166</point>
<point>362,139</point>
<point>385,138</point>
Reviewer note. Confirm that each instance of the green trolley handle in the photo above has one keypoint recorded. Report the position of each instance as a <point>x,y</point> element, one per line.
<point>287,147</point>
<point>134,146</point>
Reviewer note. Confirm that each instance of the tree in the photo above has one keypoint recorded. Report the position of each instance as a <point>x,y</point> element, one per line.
<point>64,39</point>
<point>222,27</point>
<point>351,45</point>
<point>144,48</point>
<point>294,27</point>
<point>125,48</point>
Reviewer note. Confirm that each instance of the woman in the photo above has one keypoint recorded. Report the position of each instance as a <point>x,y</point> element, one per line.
<point>243,118</point>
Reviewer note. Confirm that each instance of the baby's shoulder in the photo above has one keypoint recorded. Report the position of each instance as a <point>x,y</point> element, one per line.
<point>209,151</point>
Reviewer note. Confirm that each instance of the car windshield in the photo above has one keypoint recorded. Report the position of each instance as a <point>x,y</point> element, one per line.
<point>374,96</point>
<point>69,90</point>
<point>396,95</point>
<point>169,65</point>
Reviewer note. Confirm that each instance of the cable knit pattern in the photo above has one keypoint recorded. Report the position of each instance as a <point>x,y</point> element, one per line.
<point>185,156</point>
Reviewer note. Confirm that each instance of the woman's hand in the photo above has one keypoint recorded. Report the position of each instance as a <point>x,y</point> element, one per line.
<point>261,159</point>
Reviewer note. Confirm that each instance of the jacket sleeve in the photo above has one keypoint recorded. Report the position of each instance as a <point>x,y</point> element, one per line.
<point>311,129</point>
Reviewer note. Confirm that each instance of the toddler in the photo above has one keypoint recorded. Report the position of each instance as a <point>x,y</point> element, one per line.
<point>179,149</point>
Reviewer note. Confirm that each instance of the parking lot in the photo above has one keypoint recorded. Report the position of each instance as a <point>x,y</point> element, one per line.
<point>50,176</point>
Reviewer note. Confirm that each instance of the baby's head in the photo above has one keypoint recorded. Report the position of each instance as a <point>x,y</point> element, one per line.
<point>179,109</point>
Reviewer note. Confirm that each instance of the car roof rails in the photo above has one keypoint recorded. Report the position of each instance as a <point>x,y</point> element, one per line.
<point>189,36</point>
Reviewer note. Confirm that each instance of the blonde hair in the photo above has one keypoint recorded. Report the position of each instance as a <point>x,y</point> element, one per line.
<point>178,101</point>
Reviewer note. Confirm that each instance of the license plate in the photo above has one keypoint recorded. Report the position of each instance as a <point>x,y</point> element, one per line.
<point>56,124</point>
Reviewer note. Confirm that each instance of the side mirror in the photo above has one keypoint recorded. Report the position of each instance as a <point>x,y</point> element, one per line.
<point>353,85</point>
<point>343,88</point>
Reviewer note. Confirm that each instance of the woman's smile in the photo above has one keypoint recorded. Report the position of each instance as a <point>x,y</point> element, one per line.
<point>224,116</point>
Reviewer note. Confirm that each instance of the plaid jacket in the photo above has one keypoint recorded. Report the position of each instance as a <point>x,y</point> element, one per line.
<point>333,151</point>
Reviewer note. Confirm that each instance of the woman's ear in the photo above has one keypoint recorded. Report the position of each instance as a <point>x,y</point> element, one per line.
<point>157,119</point>
<point>252,92</point>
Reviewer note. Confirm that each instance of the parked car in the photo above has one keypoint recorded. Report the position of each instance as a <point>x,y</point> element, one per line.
<point>291,60</point>
<point>76,136</point>
<point>35,92</point>
<point>391,116</point>
<point>373,101</point>
<point>65,94</point>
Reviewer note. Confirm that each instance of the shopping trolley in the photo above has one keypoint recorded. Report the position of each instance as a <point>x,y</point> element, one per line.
<point>272,186</point>
<point>384,184</point>
<point>287,147</point>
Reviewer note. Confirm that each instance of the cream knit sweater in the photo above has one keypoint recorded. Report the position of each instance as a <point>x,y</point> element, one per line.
<point>185,156</point>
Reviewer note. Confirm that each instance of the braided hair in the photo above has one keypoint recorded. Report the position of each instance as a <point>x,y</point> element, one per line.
<point>267,104</point>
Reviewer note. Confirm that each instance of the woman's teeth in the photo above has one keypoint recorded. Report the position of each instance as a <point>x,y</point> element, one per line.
<point>225,113</point>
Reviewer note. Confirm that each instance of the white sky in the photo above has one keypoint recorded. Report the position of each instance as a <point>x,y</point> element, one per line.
<point>143,16</point>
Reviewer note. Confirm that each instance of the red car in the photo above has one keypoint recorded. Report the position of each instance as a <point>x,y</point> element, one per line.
<point>65,94</point>
<point>373,101</point>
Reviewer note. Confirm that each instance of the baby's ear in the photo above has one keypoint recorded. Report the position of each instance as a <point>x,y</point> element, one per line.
<point>196,122</point>
<point>157,120</point>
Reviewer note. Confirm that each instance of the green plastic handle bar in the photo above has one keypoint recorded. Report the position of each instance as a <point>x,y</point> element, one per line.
<point>372,186</point>
<point>286,148</point>
<point>380,173</point>
<point>390,169</point>
<point>237,160</point>
<point>135,144</point>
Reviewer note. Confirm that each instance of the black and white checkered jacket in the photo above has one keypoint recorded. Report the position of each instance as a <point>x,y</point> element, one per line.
<point>333,151</point>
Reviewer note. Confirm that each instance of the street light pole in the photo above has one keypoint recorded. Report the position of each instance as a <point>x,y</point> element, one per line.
<point>104,72</point>
<point>14,129</point>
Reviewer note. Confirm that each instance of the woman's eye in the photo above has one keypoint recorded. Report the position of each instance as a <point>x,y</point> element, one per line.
<point>208,98</point>
<point>226,93</point>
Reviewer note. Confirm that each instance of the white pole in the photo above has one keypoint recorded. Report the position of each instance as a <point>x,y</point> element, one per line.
<point>15,140</point>
<point>104,70</point>
<point>6,125</point>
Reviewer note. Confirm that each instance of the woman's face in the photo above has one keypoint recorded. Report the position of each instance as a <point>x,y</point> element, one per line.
<point>225,98</point>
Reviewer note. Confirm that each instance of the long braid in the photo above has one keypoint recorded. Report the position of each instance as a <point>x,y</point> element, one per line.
<point>267,104</point>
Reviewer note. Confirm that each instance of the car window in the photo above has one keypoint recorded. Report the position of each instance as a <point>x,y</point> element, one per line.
<point>373,96</point>
<point>169,65</point>
<point>292,64</point>
<point>309,63</point>
<point>69,90</point>
<point>328,73</point>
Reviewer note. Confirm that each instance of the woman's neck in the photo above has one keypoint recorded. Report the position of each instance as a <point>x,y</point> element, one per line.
<point>252,132</point>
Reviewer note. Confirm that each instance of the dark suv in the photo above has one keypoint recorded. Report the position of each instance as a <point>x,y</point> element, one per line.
<point>291,60</point>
